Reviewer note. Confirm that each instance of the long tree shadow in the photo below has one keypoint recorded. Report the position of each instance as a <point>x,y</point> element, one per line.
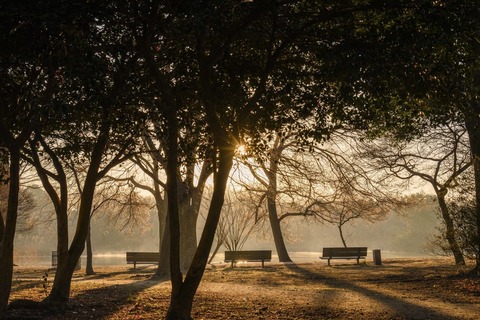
<point>95,303</point>
<point>400,307</point>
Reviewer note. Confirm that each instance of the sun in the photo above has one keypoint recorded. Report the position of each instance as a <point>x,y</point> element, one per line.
<point>241,150</point>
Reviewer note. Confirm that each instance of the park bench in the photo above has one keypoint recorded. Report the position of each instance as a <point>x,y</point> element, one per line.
<point>249,255</point>
<point>344,253</point>
<point>142,257</point>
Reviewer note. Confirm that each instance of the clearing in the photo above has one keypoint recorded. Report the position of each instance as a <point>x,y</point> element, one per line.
<point>430,288</point>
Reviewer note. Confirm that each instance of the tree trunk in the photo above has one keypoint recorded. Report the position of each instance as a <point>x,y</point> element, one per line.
<point>188,234</point>
<point>340,230</point>
<point>6,244</point>
<point>2,225</point>
<point>89,265</point>
<point>60,293</point>
<point>472,122</point>
<point>272,204</point>
<point>277,231</point>
<point>163,269</point>
<point>450,229</point>
<point>215,251</point>
<point>183,292</point>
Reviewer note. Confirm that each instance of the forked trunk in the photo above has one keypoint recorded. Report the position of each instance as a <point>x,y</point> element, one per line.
<point>60,293</point>
<point>183,292</point>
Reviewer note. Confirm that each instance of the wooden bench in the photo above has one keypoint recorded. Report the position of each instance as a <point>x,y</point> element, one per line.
<point>142,257</point>
<point>344,253</point>
<point>249,255</point>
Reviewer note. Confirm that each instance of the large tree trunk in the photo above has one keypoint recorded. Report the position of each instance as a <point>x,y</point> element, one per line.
<point>188,234</point>
<point>163,269</point>
<point>183,292</point>
<point>450,229</point>
<point>6,244</point>
<point>277,231</point>
<point>477,199</point>
<point>272,203</point>
<point>472,122</point>
<point>60,202</point>
<point>60,293</point>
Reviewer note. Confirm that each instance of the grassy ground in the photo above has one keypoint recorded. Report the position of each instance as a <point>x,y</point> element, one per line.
<point>398,289</point>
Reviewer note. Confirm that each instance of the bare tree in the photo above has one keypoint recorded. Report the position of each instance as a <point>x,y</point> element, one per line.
<point>322,181</point>
<point>119,201</point>
<point>26,219</point>
<point>237,222</point>
<point>437,158</point>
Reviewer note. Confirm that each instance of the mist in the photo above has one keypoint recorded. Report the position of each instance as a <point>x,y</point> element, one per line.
<point>397,235</point>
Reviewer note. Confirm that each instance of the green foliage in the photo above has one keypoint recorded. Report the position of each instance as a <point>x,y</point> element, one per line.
<point>404,69</point>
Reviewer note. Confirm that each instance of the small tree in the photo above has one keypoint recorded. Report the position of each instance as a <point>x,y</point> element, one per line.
<point>237,222</point>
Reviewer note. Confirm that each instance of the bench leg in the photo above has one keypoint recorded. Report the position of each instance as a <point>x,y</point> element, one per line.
<point>134,265</point>
<point>358,260</point>
<point>329,262</point>
<point>263,263</point>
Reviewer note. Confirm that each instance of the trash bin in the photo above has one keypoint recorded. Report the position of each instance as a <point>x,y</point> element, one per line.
<point>377,257</point>
<point>54,259</point>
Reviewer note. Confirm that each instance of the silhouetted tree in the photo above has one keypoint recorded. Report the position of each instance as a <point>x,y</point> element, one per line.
<point>438,157</point>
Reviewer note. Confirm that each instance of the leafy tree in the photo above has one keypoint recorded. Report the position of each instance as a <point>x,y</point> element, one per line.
<point>27,85</point>
<point>416,72</point>
<point>256,66</point>
<point>94,121</point>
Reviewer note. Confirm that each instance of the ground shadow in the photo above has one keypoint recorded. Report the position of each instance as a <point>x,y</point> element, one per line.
<point>95,303</point>
<point>399,307</point>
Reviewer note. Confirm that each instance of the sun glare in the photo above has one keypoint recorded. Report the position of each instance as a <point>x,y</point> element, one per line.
<point>241,150</point>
